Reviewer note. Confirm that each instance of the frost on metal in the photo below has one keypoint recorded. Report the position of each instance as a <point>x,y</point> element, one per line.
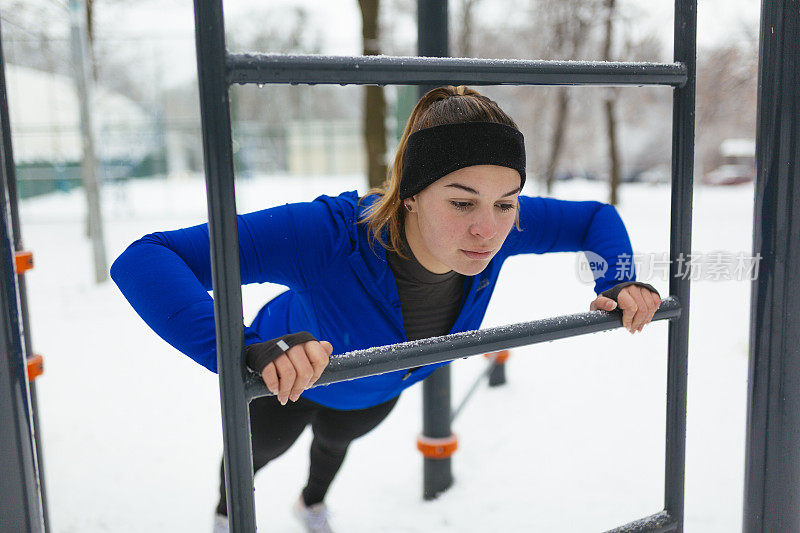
<point>411,354</point>
<point>659,522</point>
<point>381,69</point>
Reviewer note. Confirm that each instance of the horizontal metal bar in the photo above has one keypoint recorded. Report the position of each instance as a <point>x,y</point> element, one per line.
<point>393,70</point>
<point>382,359</point>
<point>658,523</point>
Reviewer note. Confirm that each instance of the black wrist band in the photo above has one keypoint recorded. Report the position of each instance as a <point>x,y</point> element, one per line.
<point>260,354</point>
<point>614,291</point>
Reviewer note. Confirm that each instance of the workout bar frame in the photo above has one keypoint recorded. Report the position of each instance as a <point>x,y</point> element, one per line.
<point>393,70</point>
<point>226,278</point>
<point>683,110</point>
<point>22,494</point>
<point>433,43</point>
<point>772,457</point>
<point>402,356</point>
<point>217,70</point>
<point>662,522</point>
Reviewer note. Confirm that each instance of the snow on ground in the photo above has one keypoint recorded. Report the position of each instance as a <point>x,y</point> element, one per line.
<point>573,443</point>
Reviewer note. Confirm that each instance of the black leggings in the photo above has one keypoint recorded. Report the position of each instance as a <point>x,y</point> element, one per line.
<point>276,427</point>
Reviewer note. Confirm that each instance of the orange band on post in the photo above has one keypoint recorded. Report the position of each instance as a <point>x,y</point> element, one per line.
<point>35,367</point>
<point>499,357</point>
<point>23,261</point>
<point>437,448</point>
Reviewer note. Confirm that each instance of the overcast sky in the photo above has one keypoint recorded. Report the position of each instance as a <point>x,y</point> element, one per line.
<point>340,22</point>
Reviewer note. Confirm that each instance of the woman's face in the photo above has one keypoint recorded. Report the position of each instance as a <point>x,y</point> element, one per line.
<point>460,221</point>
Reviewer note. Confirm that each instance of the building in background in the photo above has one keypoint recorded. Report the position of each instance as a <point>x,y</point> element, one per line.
<point>326,147</point>
<point>45,127</point>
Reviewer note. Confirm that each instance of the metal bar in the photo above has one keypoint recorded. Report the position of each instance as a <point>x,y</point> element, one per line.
<point>37,434</point>
<point>393,70</point>
<point>658,523</point>
<point>382,359</point>
<point>683,109</point>
<point>497,374</point>
<point>20,499</point>
<point>772,464</point>
<point>10,185</point>
<point>437,472</point>
<point>224,239</point>
<point>483,375</point>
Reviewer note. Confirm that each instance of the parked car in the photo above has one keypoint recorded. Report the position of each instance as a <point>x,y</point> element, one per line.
<point>738,163</point>
<point>730,175</point>
<point>656,174</point>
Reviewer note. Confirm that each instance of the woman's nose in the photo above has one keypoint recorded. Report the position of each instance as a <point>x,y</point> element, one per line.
<point>484,225</point>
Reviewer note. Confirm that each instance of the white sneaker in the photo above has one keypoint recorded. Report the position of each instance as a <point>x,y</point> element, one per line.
<point>314,518</point>
<point>221,524</point>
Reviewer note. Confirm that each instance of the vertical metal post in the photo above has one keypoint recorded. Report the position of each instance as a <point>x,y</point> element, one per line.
<point>224,238</point>
<point>437,473</point>
<point>20,502</point>
<point>432,41</point>
<point>772,464</point>
<point>10,185</point>
<point>497,375</point>
<point>683,109</point>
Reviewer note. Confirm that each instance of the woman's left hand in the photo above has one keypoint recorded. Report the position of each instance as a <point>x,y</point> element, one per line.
<point>638,306</point>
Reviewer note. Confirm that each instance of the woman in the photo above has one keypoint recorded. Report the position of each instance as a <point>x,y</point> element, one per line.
<point>417,259</point>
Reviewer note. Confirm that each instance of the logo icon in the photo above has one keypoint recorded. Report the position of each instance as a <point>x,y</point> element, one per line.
<point>591,266</point>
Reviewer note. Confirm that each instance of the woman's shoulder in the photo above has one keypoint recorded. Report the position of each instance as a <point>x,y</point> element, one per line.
<point>339,213</point>
<point>342,200</point>
<point>343,207</point>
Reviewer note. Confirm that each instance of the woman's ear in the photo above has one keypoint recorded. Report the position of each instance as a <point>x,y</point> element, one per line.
<point>410,203</point>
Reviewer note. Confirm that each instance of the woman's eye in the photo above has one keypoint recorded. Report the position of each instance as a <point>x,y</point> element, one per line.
<point>463,206</point>
<point>505,207</point>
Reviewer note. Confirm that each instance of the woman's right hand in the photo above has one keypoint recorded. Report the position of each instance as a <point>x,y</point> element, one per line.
<point>297,369</point>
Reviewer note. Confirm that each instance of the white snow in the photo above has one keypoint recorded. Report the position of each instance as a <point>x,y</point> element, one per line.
<point>573,443</point>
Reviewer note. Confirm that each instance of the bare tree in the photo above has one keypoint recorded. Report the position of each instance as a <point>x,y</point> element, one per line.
<point>31,39</point>
<point>374,101</point>
<point>727,78</point>
<point>465,36</point>
<point>610,105</point>
<point>571,22</point>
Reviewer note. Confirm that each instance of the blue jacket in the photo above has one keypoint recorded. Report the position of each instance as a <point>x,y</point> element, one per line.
<point>341,289</point>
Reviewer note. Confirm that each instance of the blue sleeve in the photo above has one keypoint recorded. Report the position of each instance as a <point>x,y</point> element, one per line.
<point>166,276</point>
<point>595,228</point>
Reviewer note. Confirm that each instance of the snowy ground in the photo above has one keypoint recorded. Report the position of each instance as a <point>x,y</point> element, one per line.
<point>573,443</point>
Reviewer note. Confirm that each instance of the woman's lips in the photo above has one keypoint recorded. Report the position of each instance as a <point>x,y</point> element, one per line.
<point>472,254</point>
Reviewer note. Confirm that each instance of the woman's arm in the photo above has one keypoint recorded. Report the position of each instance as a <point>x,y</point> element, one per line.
<point>166,276</point>
<point>550,225</point>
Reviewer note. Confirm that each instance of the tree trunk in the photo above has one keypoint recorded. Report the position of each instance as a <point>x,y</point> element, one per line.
<point>374,101</point>
<point>91,185</point>
<point>559,131</point>
<point>90,36</point>
<point>570,31</point>
<point>467,8</point>
<point>610,112</point>
<point>613,149</point>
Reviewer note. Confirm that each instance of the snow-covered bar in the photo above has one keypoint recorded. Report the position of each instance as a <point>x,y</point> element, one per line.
<point>382,359</point>
<point>397,70</point>
<point>658,523</point>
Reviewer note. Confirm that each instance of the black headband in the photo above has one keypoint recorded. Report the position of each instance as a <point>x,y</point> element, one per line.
<point>434,152</point>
